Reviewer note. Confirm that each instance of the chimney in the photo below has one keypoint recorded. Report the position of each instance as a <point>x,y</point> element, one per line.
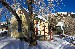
<point>68,13</point>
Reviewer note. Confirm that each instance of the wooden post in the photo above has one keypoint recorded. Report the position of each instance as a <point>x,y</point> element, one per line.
<point>44,31</point>
<point>36,29</point>
<point>51,35</point>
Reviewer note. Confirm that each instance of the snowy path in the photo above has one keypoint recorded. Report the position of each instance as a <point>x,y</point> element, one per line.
<point>4,41</point>
<point>14,44</point>
<point>10,43</point>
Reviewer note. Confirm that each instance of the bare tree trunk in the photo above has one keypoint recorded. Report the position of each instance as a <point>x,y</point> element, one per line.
<point>19,26</point>
<point>30,8</point>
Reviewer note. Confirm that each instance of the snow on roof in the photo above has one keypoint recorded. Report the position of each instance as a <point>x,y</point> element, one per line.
<point>53,13</point>
<point>62,12</point>
<point>60,24</point>
<point>72,13</point>
<point>41,17</point>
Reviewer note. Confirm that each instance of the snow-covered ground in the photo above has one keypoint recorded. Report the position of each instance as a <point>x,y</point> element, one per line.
<point>11,43</point>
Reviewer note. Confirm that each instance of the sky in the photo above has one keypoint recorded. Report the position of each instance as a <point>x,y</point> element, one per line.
<point>69,6</point>
<point>65,6</point>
